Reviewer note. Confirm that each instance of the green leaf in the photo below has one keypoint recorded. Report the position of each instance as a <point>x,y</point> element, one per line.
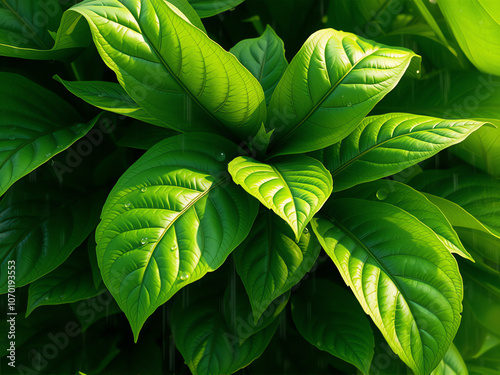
<point>295,187</point>
<point>401,273</point>
<point>474,191</point>
<point>143,136</point>
<point>27,27</point>
<point>330,86</point>
<point>476,25</point>
<point>35,125</point>
<point>172,217</point>
<point>209,8</point>
<point>270,262</point>
<point>204,340</point>
<point>452,364</point>
<point>331,319</point>
<point>481,244</point>
<point>384,145</point>
<point>265,58</point>
<point>41,225</point>
<point>70,282</point>
<point>414,203</point>
<point>110,97</point>
<point>209,91</point>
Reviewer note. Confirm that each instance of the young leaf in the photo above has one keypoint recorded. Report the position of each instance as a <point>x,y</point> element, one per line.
<point>400,272</point>
<point>413,202</point>
<point>330,85</point>
<point>270,262</point>
<point>265,58</point>
<point>476,25</point>
<point>206,342</point>
<point>172,217</point>
<point>474,191</point>
<point>295,187</point>
<point>330,318</point>
<point>35,125</point>
<point>452,364</point>
<point>209,91</point>
<point>42,226</point>
<point>209,8</point>
<point>110,97</point>
<point>384,145</point>
<point>70,282</point>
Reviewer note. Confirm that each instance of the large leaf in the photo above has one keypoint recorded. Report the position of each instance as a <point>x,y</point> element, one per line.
<point>270,262</point>
<point>109,96</point>
<point>70,282</point>
<point>384,145</point>
<point>452,364</point>
<point>26,27</point>
<point>265,58</point>
<point>206,342</point>
<point>413,202</point>
<point>208,8</point>
<point>474,191</point>
<point>401,273</point>
<point>330,85</point>
<point>330,318</point>
<point>40,225</point>
<point>35,125</point>
<point>160,57</point>
<point>171,218</point>
<point>294,187</point>
<point>476,25</point>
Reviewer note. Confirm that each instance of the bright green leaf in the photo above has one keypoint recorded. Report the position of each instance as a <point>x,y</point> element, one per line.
<point>384,145</point>
<point>400,272</point>
<point>330,318</point>
<point>294,187</point>
<point>172,217</point>
<point>209,8</point>
<point>330,86</point>
<point>452,364</point>
<point>145,43</point>
<point>265,58</point>
<point>270,262</point>
<point>35,125</point>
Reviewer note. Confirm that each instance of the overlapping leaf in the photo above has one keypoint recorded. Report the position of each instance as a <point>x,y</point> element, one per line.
<point>452,364</point>
<point>400,272</point>
<point>41,226</point>
<point>330,85</point>
<point>35,125</point>
<point>270,262</point>
<point>384,145</point>
<point>294,187</point>
<point>146,43</point>
<point>171,218</point>
<point>330,318</point>
<point>265,58</point>
<point>208,8</point>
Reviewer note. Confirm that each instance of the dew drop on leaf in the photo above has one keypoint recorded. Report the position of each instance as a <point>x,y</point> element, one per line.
<point>46,298</point>
<point>319,343</point>
<point>382,194</point>
<point>349,104</point>
<point>221,156</point>
<point>144,240</point>
<point>143,190</point>
<point>184,276</point>
<point>47,154</point>
<point>12,137</point>
<point>418,71</point>
<point>127,204</point>
<point>173,248</point>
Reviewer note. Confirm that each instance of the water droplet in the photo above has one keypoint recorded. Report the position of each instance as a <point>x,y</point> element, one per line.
<point>143,190</point>
<point>76,128</point>
<point>382,194</point>
<point>184,276</point>
<point>349,104</point>
<point>12,137</point>
<point>47,154</point>
<point>144,240</point>
<point>100,95</point>
<point>173,248</point>
<point>61,296</point>
<point>418,71</point>
<point>221,156</point>
<point>319,343</point>
<point>127,204</point>
<point>46,298</point>
<point>306,231</point>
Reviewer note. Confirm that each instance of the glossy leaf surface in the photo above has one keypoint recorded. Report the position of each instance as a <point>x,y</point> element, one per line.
<point>452,364</point>
<point>210,91</point>
<point>171,218</point>
<point>294,187</point>
<point>384,145</point>
<point>270,262</point>
<point>330,85</point>
<point>330,318</point>
<point>402,275</point>
<point>208,8</point>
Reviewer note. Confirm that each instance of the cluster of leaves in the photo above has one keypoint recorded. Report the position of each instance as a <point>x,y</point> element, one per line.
<point>187,148</point>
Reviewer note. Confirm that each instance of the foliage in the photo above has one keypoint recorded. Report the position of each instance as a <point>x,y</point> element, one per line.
<point>332,196</point>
